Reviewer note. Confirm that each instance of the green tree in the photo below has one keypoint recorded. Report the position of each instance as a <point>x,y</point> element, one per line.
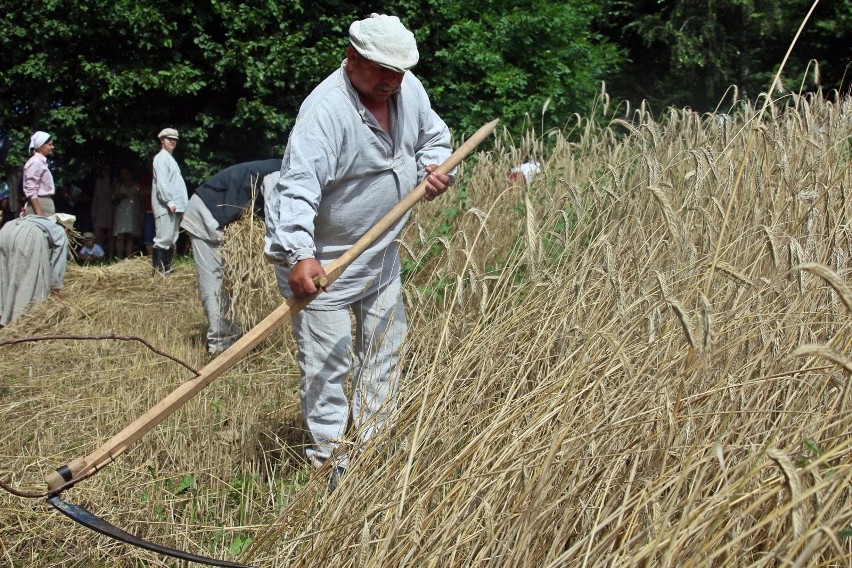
<point>506,58</point>
<point>104,76</point>
<point>689,52</point>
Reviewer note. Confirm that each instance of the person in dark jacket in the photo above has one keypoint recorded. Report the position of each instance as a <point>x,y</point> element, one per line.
<point>218,202</point>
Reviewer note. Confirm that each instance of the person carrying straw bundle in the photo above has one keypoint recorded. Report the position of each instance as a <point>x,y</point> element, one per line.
<point>217,203</point>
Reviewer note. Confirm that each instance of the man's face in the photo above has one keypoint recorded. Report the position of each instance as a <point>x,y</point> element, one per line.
<point>168,144</point>
<point>372,81</point>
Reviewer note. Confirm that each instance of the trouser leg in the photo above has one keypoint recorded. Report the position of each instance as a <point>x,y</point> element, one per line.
<point>380,329</point>
<point>166,230</point>
<point>325,341</point>
<point>221,331</point>
<point>167,227</point>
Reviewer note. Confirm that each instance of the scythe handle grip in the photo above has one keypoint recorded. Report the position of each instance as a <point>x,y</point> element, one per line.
<point>65,475</point>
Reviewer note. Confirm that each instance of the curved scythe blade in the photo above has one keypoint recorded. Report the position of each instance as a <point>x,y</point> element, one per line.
<point>91,521</point>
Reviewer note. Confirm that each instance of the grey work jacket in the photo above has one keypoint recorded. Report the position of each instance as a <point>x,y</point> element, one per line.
<point>342,173</point>
<point>168,185</point>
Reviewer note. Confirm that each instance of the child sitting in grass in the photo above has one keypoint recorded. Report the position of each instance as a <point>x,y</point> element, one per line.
<point>91,251</point>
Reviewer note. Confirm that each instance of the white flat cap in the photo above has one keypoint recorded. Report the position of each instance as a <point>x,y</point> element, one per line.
<point>384,40</point>
<point>168,133</point>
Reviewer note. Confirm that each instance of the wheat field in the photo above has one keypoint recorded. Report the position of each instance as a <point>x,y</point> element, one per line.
<point>641,358</point>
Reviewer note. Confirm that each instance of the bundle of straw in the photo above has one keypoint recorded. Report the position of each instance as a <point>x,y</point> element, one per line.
<point>248,277</point>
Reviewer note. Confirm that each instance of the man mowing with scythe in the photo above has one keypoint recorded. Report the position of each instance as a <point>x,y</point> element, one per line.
<point>362,140</point>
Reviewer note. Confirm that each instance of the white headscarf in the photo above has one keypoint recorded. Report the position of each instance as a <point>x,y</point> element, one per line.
<point>37,140</point>
<point>63,219</point>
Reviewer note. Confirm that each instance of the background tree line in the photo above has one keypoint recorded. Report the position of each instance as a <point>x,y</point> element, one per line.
<point>104,76</point>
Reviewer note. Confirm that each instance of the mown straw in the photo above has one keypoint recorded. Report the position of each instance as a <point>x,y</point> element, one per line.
<point>249,278</point>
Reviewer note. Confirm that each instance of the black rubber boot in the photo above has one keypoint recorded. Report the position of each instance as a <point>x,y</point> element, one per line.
<point>168,255</point>
<point>159,259</point>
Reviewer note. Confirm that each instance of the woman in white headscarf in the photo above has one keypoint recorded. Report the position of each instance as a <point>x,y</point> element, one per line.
<point>33,257</point>
<point>38,181</point>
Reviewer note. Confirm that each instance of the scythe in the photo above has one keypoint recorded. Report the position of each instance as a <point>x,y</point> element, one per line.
<point>76,470</point>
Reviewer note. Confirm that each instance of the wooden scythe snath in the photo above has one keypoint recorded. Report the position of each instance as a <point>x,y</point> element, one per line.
<point>66,476</point>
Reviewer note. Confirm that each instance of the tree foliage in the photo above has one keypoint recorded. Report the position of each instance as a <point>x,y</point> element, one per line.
<point>105,76</point>
<point>689,52</point>
<point>509,59</point>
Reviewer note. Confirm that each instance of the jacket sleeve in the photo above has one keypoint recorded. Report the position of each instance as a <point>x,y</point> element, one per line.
<point>292,205</point>
<point>433,144</point>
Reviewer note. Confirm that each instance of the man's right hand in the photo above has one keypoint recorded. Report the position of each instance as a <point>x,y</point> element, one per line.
<point>301,277</point>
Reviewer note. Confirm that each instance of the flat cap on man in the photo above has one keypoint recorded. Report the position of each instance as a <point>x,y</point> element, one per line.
<point>384,40</point>
<point>168,133</point>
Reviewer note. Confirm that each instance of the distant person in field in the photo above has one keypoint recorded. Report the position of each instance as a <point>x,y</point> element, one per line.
<point>74,201</point>
<point>33,258</point>
<point>216,203</point>
<point>91,251</point>
<point>363,139</point>
<point>168,201</point>
<point>145,181</point>
<point>6,213</point>
<point>103,209</point>
<point>127,225</point>
<point>526,171</point>
<point>39,188</point>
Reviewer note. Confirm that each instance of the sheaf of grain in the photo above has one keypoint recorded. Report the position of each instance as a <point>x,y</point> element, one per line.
<point>364,546</point>
<point>707,334</point>
<point>770,244</point>
<point>666,208</point>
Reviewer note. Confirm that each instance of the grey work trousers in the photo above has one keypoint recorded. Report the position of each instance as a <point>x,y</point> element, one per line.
<point>166,228</point>
<point>221,331</point>
<point>327,355</point>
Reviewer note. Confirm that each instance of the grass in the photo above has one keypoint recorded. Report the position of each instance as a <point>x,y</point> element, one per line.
<point>641,359</point>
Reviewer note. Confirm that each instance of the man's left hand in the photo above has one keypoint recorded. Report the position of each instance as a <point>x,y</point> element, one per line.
<point>436,182</point>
